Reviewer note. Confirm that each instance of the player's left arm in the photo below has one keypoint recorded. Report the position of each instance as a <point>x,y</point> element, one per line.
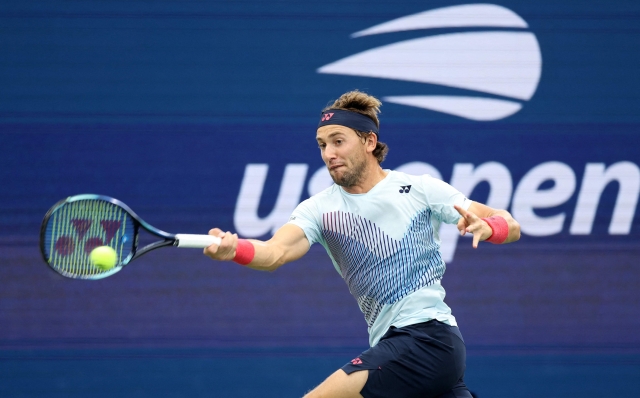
<point>472,222</point>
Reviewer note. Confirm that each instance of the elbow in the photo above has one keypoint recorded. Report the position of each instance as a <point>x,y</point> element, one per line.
<point>279,263</point>
<point>274,265</point>
<point>272,268</point>
<point>264,267</point>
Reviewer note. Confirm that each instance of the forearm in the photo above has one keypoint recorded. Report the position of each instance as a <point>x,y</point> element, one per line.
<point>268,257</point>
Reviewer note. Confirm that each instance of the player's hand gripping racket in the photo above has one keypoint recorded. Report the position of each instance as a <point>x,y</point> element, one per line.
<point>73,227</point>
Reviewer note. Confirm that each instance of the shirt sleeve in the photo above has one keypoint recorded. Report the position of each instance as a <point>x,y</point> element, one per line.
<point>441,197</point>
<point>307,217</point>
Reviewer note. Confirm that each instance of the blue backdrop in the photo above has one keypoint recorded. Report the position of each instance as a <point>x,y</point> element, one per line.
<point>203,114</point>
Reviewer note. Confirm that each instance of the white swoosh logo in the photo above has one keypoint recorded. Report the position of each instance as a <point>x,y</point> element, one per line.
<point>474,108</point>
<point>507,64</point>
<point>466,15</point>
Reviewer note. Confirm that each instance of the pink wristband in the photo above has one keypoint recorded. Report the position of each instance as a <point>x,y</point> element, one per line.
<point>244,252</point>
<point>499,227</point>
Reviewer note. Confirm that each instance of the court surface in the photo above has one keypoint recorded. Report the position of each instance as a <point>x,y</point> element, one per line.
<point>288,373</point>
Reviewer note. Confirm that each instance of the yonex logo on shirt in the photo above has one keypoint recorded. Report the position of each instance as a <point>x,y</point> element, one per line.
<point>405,188</point>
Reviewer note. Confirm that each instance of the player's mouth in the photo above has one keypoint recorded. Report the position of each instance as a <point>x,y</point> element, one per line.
<point>335,166</point>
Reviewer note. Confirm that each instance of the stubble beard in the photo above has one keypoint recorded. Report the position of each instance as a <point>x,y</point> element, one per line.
<point>351,177</point>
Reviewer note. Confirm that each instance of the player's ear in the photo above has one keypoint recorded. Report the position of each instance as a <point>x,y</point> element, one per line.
<point>372,140</point>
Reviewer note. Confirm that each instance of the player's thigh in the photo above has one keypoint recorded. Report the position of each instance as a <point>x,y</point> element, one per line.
<point>341,385</point>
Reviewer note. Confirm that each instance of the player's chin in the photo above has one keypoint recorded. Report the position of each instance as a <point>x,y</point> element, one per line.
<point>336,173</point>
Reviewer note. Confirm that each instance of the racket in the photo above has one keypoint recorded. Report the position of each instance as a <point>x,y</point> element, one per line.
<point>75,226</point>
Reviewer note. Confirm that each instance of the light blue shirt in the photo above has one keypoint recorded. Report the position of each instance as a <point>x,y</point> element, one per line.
<point>385,245</point>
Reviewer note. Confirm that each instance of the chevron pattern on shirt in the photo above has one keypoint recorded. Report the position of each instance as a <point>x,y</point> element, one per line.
<point>378,269</point>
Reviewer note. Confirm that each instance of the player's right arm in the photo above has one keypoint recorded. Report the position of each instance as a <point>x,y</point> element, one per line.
<point>288,244</point>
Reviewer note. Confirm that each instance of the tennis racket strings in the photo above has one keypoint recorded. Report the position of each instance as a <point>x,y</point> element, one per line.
<point>73,229</point>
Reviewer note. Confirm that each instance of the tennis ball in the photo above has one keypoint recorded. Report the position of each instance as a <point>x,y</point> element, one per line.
<point>103,257</point>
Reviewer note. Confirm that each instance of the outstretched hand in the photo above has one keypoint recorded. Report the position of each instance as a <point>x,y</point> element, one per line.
<point>471,223</point>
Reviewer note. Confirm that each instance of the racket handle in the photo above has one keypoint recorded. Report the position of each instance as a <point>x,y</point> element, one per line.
<point>196,241</point>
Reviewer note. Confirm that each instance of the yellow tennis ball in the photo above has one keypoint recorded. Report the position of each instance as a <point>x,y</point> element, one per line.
<point>104,257</point>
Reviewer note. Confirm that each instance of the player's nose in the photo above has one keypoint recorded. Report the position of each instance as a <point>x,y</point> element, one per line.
<point>328,154</point>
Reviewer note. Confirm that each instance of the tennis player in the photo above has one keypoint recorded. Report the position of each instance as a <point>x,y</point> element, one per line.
<point>380,229</point>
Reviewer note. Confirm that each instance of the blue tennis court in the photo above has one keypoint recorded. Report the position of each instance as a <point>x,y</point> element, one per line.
<point>286,373</point>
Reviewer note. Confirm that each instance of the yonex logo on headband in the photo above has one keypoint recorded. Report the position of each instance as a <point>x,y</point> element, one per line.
<point>353,120</point>
<point>326,117</point>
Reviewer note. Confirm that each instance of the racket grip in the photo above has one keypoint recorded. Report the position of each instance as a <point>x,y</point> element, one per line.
<point>196,241</point>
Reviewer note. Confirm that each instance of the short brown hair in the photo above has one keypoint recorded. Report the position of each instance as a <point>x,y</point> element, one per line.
<point>368,105</point>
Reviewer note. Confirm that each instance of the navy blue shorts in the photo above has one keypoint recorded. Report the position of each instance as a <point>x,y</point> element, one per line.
<point>422,360</point>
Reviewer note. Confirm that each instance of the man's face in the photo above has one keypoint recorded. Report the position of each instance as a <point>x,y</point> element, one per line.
<point>344,154</point>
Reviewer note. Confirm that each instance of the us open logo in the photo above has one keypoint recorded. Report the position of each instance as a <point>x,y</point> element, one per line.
<point>500,68</point>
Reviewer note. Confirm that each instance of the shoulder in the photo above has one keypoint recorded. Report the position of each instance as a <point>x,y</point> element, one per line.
<point>432,188</point>
<point>423,180</point>
<point>400,175</point>
<point>326,194</point>
<point>321,198</point>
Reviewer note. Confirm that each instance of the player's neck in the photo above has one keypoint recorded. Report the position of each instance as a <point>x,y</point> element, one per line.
<point>372,176</point>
